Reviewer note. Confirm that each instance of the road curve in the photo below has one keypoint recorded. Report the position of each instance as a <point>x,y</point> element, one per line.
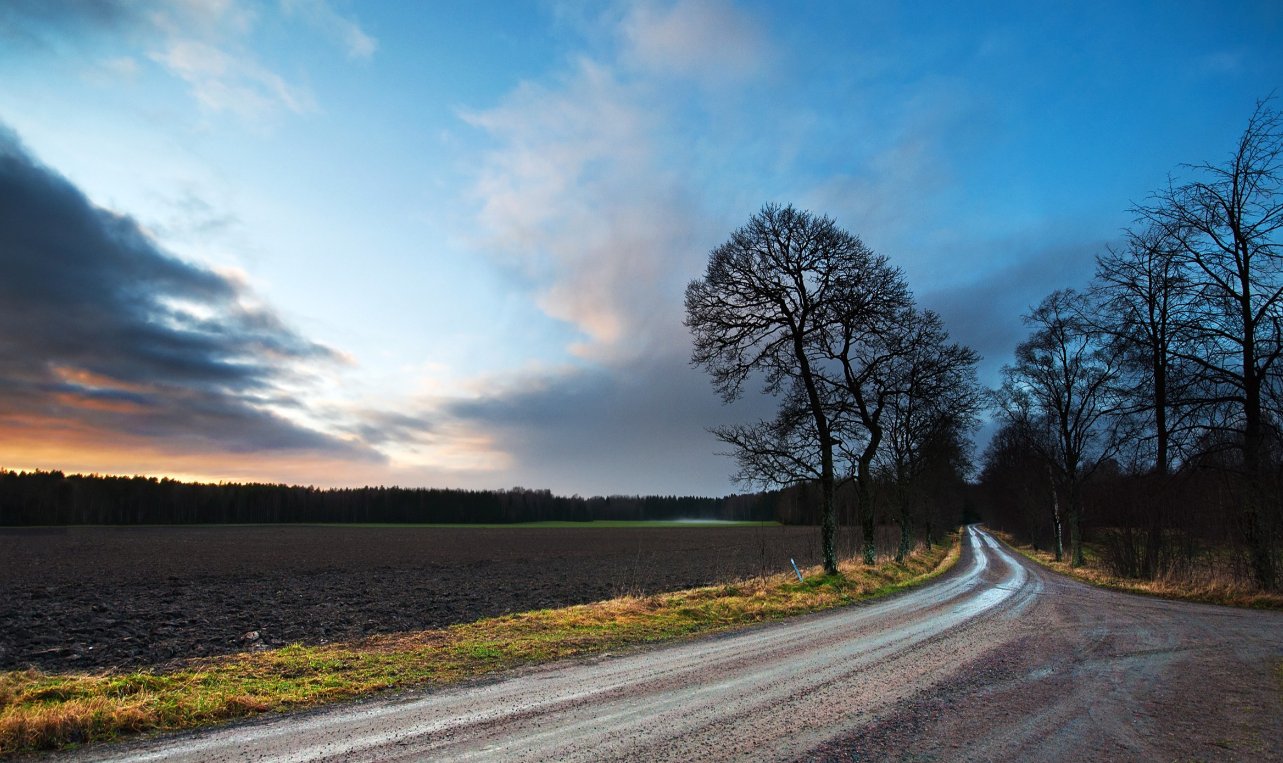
<point>997,659</point>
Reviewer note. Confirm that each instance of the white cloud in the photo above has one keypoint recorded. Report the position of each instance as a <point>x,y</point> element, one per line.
<point>222,82</point>
<point>210,45</point>
<point>200,18</point>
<point>582,198</point>
<point>114,70</point>
<point>346,32</point>
<point>709,41</point>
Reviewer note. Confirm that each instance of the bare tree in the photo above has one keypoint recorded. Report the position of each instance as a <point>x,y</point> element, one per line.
<point>1059,394</point>
<point>927,420</point>
<point>1013,479</point>
<point>1145,302</point>
<point>765,296</point>
<point>783,450</point>
<point>866,349</point>
<point>1226,226</point>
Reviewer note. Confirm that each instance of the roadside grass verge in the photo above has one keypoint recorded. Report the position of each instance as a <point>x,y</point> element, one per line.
<point>1210,588</point>
<point>45,711</point>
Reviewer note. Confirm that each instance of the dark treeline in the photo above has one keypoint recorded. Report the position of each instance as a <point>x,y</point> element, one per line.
<point>53,498</point>
<point>1181,526</point>
<point>937,506</point>
<point>1145,413</point>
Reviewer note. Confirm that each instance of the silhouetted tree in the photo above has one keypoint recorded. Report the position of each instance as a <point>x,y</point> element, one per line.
<point>1058,394</point>
<point>1226,229</point>
<point>1146,303</point>
<point>1015,487</point>
<point>766,294</point>
<point>937,404</point>
<point>53,498</point>
<point>866,345</point>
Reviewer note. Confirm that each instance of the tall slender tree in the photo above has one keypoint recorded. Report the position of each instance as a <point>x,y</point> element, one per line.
<point>937,404</point>
<point>1059,394</point>
<point>865,348</point>
<point>1146,301</point>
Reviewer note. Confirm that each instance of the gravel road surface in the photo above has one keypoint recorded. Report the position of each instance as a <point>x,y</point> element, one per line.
<point>997,660</point>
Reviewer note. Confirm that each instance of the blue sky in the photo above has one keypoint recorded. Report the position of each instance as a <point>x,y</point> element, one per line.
<point>445,244</point>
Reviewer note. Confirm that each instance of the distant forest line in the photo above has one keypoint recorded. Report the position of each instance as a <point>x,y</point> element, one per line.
<point>55,498</point>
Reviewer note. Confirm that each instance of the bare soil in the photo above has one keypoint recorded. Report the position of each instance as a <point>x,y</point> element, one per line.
<point>107,597</point>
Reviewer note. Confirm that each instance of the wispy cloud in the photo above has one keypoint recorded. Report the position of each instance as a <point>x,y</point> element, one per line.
<point>708,41</point>
<point>581,198</point>
<point>223,82</point>
<point>599,191</point>
<point>207,44</point>
<point>342,30</point>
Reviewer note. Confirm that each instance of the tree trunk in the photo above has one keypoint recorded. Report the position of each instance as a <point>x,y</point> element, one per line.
<point>1162,460</point>
<point>1075,510</point>
<point>1075,538</point>
<point>1255,524</point>
<point>828,512</point>
<point>1059,541</point>
<point>864,489</point>
<point>906,531</point>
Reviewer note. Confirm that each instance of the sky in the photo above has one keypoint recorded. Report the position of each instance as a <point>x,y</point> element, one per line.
<point>445,244</point>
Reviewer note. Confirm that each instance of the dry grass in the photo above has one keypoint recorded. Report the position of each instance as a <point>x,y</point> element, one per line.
<point>1210,586</point>
<point>43,711</point>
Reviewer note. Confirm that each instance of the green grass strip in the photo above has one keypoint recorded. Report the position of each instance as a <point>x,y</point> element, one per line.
<point>45,711</point>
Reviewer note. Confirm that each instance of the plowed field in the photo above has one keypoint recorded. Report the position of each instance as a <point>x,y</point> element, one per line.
<point>87,598</point>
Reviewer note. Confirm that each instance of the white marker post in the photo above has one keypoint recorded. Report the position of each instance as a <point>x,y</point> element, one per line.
<point>795,569</point>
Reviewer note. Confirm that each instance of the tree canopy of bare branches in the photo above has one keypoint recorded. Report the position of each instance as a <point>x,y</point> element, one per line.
<point>767,294</point>
<point>1058,394</point>
<point>833,332</point>
<point>1225,226</point>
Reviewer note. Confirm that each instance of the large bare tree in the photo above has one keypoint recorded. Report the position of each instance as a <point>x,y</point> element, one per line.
<point>767,294</point>
<point>1146,302</point>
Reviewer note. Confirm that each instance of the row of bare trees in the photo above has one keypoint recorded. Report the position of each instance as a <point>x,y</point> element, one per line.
<point>869,388</point>
<point>1166,370</point>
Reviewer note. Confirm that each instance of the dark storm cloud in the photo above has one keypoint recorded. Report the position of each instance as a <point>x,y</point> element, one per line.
<point>49,23</point>
<point>101,329</point>
<point>599,431</point>
<point>375,427</point>
<point>985,314</point>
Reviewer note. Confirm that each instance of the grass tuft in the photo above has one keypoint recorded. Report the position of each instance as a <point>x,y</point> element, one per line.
<point>45,711</point>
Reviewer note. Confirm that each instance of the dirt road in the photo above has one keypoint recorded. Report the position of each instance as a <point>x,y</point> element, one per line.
<point>998,660</point>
